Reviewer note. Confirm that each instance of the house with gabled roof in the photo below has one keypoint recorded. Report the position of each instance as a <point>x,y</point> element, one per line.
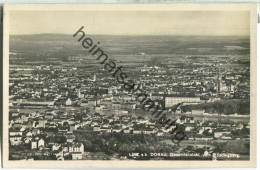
<point>37,142</point>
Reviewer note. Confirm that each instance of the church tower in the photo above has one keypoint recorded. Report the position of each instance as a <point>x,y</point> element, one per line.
<point>79,93</point>
<point>219,80</point>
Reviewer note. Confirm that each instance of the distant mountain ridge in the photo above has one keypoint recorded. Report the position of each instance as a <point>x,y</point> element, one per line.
<point>130,45</point>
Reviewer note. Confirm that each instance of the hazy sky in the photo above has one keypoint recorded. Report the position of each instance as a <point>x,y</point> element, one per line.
<point>131,22</point>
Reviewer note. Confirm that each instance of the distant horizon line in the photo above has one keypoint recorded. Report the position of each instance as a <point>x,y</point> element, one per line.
<point>134,35</point>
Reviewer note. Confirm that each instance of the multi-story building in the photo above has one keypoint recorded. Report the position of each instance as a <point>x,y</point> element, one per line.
<point>172,100</point>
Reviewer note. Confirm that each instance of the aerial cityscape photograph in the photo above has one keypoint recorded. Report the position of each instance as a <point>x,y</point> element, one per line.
<point>118,88</point>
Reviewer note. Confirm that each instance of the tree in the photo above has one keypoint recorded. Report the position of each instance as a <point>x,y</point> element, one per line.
<point>60,139</point>
<point>189,148</point>
<point>200,150</point>
<point>105,121</point>
<point>96,114</point>
<point>219,147</point>
<point>66,124</point>
<point>206,132</point>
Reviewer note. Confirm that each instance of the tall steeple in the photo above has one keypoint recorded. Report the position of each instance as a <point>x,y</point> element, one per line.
<point>94,77</point>
<point>79,93</point>
<point>219,83</point>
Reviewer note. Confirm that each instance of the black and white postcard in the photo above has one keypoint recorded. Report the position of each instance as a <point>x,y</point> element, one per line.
<point>129,85</point>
